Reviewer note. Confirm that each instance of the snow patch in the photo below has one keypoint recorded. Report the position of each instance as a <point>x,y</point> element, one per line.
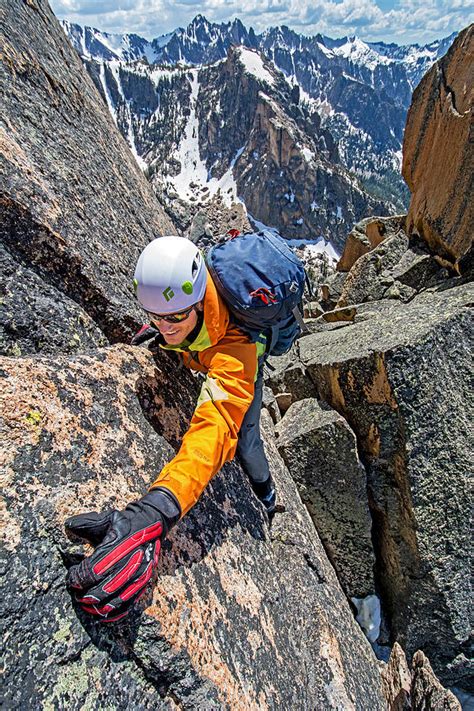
<point>193,168</point>
<point>307,154</point>
<point>319,246</point>
<point>253,64</point>
<point>115,69</point>
<point>368,615</point>
<point>359,52</point>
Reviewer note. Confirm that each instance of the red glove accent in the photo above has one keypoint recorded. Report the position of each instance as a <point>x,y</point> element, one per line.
<point>109,582</point>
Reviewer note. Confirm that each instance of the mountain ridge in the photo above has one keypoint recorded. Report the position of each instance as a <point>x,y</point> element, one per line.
<point>237,31</point>
<point>359,91</point>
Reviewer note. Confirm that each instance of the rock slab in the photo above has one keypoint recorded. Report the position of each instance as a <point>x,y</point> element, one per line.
<point>242,616</point>
<point>438,152</point>
<point>320,451</point>
<point>75,207</point>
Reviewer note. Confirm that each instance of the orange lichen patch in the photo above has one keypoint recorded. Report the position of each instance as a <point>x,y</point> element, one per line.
<point>41,397</point>
<point>189,622</point>
<point>351,382</point>
<point>24,406</point>
<point>31,403</point>
<point>255,642</point>
<point>97,495</point>
<point>329,376</point>
<point>136,455</point>
<point>379,392</point>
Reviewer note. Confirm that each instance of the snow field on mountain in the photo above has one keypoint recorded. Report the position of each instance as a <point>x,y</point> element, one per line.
<point>115,69</point>
<point>193,168</point>
<point>253,64</point>
<point>361,53</point>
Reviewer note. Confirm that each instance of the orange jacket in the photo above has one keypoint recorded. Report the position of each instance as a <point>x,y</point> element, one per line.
<point>230,361</point>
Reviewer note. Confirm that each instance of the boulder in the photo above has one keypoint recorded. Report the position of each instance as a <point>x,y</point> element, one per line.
<point>365,236</point>
<point>284,401</point>
<point>287,374</point>
<point>400,378</point>
<point>438,152</point>
<point>320,450</point>
<point>418,268</point>
<point>75,207</point>
<point>369,278</point>
<point>270,403</point>
<point>342,314</point>
<point>241,616</point>
<point>332,289</point>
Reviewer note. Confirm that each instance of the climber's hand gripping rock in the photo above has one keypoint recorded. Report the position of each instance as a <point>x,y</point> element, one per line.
<point>109,582</point>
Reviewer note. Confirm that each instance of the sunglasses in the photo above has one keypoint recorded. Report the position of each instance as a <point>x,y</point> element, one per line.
<point>171,318</point>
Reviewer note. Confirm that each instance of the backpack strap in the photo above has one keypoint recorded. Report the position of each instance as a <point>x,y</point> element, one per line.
<point>297,314</point>
<point>273,338</point>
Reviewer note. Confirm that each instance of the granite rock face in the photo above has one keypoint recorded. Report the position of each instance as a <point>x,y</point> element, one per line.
<point>241,616</point>
<point>399,375</point>
<point>320,451</point>
<point>384,263</point>
<point>438,152</point>
<point>75,208</point>
<point>36,317</point>
<point>287,374</point>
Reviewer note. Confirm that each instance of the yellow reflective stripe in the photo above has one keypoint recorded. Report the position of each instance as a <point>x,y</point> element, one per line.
<point>261,345</point>
<point>211,390</point>
<point>202,341</point>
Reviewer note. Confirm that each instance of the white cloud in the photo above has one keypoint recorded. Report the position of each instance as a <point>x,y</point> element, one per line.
<point>408,20</point>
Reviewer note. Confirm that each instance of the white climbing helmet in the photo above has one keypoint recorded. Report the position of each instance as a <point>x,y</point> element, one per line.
<point>170,275</point>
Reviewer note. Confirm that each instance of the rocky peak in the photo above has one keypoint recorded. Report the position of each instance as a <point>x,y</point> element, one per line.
<point>233,136</point>
<point>359,91</point>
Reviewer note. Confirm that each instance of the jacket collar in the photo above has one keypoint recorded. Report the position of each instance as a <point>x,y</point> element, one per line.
<point>214,325</point>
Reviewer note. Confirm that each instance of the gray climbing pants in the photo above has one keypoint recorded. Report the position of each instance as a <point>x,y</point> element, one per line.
<point>250,447</point>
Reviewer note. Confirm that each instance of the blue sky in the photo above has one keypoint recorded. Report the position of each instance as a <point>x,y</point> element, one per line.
<point>400,21</point>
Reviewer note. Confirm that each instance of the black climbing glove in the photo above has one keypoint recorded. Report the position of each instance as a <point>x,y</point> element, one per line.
<point>109,582</point>
<point>144,334</point>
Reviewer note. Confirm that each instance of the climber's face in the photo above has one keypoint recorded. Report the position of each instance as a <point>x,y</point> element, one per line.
<point>175,332</point>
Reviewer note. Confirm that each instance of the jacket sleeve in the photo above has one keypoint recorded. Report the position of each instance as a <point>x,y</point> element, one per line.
<point>212,437</point>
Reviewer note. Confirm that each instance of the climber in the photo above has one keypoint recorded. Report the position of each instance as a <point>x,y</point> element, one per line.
<point>175,288</point>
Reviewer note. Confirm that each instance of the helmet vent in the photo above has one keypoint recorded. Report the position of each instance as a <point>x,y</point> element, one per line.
<point>194,269</point>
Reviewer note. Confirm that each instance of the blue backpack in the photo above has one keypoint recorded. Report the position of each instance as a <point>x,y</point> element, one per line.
<point>262,283</point>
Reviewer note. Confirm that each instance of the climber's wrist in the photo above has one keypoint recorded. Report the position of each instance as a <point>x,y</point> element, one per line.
<point>165,502</point>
